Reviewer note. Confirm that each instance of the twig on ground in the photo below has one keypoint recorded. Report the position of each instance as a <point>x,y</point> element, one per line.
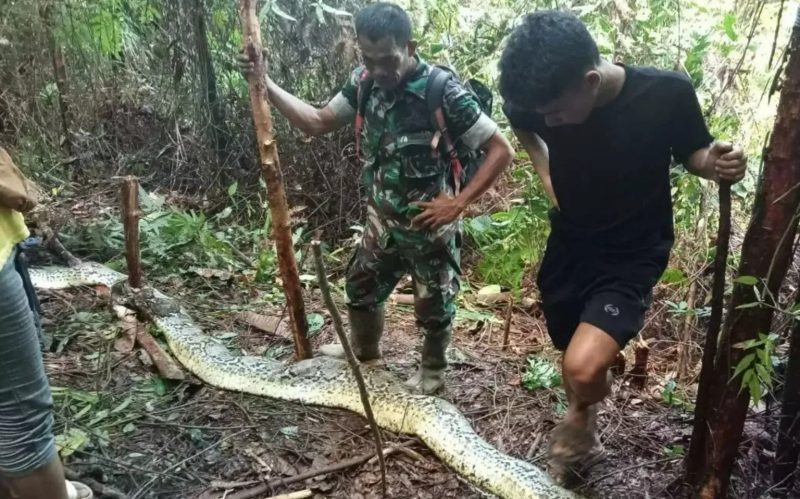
<point>217,484</point>
<point>342,465</point>
<point>96,486</point>
<point>628,468</point>
<point>401,448</point>
<point>150,482</point>
<point>242,257</point>
<point>351,359</point>
<point>300,494</point>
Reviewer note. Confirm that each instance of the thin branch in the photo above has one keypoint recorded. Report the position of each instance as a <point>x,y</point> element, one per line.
<point>628,468</point>
<point>342,465</point>
<point>775,36</point>
<point>96,486</point>
<point>351,358</point>
<point>150,482</point>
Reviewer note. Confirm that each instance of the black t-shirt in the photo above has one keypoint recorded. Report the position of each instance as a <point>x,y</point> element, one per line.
<point>611,173</point>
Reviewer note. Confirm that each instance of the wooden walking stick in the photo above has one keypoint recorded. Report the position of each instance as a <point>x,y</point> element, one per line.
<point>271,171</point>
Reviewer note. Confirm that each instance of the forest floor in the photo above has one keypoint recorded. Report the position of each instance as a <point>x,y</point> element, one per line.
<point>122,425</point>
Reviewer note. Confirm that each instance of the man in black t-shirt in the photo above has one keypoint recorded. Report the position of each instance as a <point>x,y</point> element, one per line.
<point>601,137</point>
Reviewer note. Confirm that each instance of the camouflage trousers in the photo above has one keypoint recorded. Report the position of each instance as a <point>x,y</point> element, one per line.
<point>387,253</point>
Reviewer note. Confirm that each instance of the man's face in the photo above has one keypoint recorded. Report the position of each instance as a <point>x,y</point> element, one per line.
<point>575,104</point>
<point>386,60</point>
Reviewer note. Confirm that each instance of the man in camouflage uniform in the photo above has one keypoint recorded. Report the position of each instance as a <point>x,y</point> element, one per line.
<point>413,210</point>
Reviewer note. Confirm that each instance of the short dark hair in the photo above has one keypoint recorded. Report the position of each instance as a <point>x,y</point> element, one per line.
<point>545,54</point>
<point>384,19</point>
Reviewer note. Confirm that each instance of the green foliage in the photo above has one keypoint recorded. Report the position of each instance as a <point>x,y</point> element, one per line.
<point>93,419</point>
<point>540,373</point>
<point>757,366</point>
<point>673,275</point>
<point>174,240</point>
<point>670,395</point>
<point>315,323</point>
<point>674,451</point>
<point>511,241</point>
<point>682,309</point>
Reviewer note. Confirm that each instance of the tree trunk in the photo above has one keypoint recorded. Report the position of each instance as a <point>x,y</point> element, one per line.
<point>208,80</point>
<point>271,171</point>
<point>786,457</point>
<point>60,74</point>
<point>766,253</point>
<point>130,222</point>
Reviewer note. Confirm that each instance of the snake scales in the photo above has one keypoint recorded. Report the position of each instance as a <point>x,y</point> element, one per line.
<point>325,382</point>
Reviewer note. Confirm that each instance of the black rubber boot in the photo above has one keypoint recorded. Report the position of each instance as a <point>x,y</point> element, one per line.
<point>429,377</point>
<point>366,329</point>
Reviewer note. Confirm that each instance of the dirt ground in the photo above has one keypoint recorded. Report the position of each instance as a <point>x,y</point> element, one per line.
<point>148,438</point>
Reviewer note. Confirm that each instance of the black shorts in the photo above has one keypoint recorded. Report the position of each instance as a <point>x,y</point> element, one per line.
<point>611,290</point>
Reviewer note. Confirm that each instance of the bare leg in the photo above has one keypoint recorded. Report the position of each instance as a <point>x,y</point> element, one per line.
<point>587,360</point>
<point>590,354</point>
<point>45,483</point>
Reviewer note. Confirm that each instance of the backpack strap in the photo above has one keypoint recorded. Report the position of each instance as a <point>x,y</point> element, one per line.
<point>434,96</point>
<point>364,87</point>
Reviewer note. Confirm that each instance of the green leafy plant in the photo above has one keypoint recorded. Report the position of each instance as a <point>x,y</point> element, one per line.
<point>682,308</point>
<point>757,366</point>
<point>511,241</point>
<point>540,373</point>
<point>669,394</point>
<point>674,451</point>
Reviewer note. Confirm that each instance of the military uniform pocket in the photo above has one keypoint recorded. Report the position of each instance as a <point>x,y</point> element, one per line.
<point>422,171</point>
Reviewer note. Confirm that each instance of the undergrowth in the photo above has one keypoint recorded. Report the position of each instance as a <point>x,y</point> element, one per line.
<point>510,242</point>
<point>184,241</point>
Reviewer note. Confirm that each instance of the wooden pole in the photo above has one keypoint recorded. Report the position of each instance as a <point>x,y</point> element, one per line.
<point>702,410</point>
<point>322,279</point>
<point>130,221</point>
<point>271,171</point>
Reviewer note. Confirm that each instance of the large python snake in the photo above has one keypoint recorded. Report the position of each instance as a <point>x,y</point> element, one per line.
<point>325,382</point>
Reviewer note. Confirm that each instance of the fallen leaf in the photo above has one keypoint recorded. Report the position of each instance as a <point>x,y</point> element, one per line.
<point>281,466</point>
<point>129,328</point>
<point>102,291</point>
<point>491,289</point>
<point>289,431</point>
<point>212,273</point>
<point>145,359</point>
<point>260,322</point>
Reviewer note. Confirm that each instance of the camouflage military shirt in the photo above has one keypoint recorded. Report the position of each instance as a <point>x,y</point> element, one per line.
<point>399,164</point>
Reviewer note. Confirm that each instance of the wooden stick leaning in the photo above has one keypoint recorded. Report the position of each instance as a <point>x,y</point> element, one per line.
<point>273,177</point>
<point>695,455</point>
<point>351,358</point>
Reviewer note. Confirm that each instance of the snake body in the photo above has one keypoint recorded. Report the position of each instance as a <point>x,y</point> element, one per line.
<point>328,382</point>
